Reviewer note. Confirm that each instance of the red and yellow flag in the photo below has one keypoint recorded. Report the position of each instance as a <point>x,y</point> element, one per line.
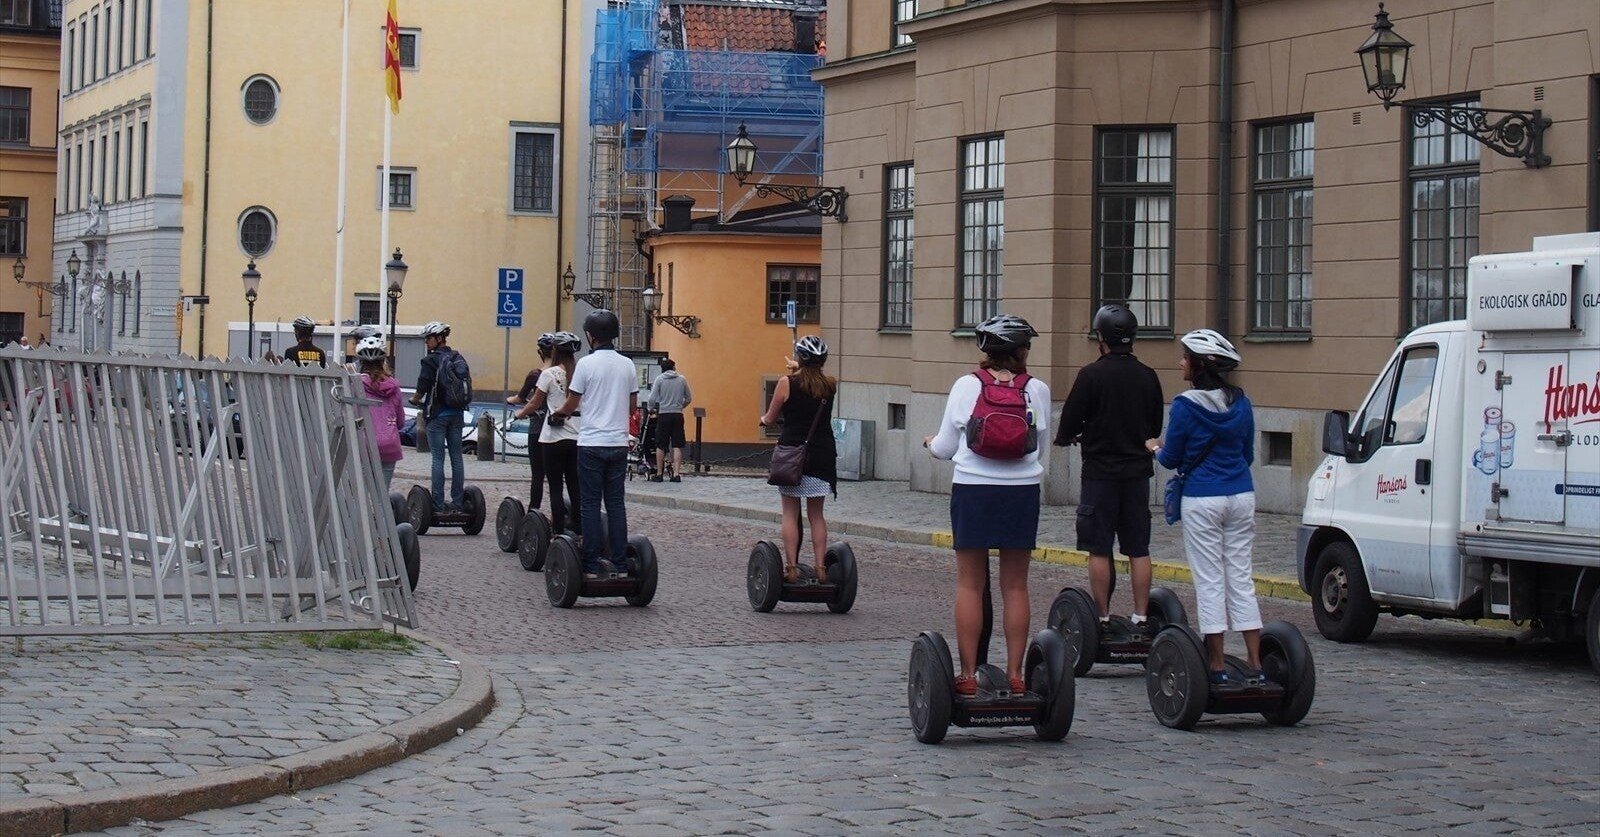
<point>391,57</point>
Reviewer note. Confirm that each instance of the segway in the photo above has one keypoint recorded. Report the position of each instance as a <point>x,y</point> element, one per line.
<point>564,581</point>
<point>1116,640</point>
<point>419,510</point>
<point>1180,690</point>
<point>507,521</point>
<point>533,538</point>
<point>410,548</point>
<point>766,585</point>
<point>1046,705</point>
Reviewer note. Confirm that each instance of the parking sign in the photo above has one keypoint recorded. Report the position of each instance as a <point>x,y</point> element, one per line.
<point>508,298</point>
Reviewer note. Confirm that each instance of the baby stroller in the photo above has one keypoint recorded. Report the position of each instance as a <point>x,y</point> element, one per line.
<point>641,444</point>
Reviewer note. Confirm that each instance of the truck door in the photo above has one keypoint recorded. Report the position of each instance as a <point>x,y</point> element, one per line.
<point>1389,499</point>
<point>1532,438</point>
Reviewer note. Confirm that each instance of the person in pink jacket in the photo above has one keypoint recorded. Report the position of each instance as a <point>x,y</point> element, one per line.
<point>389,413</point>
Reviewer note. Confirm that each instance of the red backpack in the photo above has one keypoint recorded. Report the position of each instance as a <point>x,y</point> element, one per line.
<point>1001,426</point>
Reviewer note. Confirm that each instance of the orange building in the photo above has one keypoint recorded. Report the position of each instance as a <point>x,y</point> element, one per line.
<point>30,72</point>
<point>723,292</point>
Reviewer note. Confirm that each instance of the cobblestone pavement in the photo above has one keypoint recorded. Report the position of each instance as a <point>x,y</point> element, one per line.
<point>697,716</point>
<point>877,503</point>
<point>86,714</point>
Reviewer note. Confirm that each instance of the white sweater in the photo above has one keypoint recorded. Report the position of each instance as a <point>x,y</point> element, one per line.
<point>972,469</point>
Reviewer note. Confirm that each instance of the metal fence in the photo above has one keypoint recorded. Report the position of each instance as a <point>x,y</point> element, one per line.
<point>168,495</point>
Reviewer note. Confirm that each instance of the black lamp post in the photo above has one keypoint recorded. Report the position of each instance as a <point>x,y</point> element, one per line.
<point>395,269</point>
<point>252,285</point>
<point>1385,58</point>
<point>827,201</point>
<point>569,283</point>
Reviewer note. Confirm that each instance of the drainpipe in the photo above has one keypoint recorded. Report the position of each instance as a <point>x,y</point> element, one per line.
<point>561,180</point>
<point>205,189</point>
<point>1225,171</point>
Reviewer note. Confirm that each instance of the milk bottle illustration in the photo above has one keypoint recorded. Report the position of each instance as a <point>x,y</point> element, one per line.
<point>1508,442</point>
<point>1487,458</point>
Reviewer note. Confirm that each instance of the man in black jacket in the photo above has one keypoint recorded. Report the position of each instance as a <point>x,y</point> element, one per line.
<point>1114,406</point>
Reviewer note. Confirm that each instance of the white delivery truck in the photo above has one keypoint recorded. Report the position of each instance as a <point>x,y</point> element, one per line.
<point>1468,484</point>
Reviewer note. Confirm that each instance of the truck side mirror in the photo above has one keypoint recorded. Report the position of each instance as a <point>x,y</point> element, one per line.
<point>1336,433</point>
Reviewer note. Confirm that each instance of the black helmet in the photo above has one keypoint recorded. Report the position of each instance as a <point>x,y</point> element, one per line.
<point>810,351</point>
<point>602,325</point>
<point>1116,325</point>
<point>1004,333</point>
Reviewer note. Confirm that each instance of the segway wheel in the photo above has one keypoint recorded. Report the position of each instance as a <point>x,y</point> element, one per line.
<point>763,577</point>
<point>477,510</point>
<point>1165,608</point>
<point>642,563</point>
<point>533,540</point>
<point>397,502</point>
<point>1047,669</point>
<point>563,572</point>
<point>507,520</point>
<point>1073,614</point>
<point>1175,679</point>
<point>1286,660</point>
<point>410,552</point>
<point>930,690</point>
<point>419,509</point>
<point>840,563</point>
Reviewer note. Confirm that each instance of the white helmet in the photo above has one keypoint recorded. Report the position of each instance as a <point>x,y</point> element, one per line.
<point>436,328</point>
<point>1213,346</point>
<point>372,348</point>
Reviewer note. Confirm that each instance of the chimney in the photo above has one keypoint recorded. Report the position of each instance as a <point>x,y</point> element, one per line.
<point>805,30</point>
<point>676,215</point>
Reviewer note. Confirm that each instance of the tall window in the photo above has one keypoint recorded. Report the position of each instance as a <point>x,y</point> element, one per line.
<point>408,48</point>
<point>105,45</point>
<point>127,171</point>
<point>899,238</point>
<point>149,24</point>
<point>113,145</point>
<point>94,47</point>
<point>85,48</point>
<point>1282,262</point>
<point>15,104</point>
<point>144,158</point>
<point>69,48</point>
<point>13,226</point>
<point>133,31</point>
<point>1133,223</point>
<point>1443,229</point>
<point>983,228</point>
<point>797,282</point>
<point>116,42</point>
<point>88,175</point>
<point>533,171</point>
<point>904,10</point>
<point>16,13</point>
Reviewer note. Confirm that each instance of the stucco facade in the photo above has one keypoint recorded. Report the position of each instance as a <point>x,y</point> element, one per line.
<point>30,51</point>
<point>1061,80</point>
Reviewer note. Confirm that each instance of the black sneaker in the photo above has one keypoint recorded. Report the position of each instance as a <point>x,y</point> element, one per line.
<point>1142,631</point>
<point>676,478</point>
<point>655,478</point>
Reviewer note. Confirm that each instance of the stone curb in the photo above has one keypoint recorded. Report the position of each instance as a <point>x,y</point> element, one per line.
<point>172,798</point>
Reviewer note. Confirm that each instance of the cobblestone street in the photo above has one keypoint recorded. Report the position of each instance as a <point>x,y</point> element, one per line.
<point>697,716</point>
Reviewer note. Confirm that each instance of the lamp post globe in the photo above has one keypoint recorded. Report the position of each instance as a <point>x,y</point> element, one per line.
<point>74,264</point>
<point>569,281</point>
<point>741,155</point>
<point>1385,58</point>
<point>18,270</point>
<point>252,287</point>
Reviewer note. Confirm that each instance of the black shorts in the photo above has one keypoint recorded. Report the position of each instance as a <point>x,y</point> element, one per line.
<point>1118,509</point>
<point>669,431</point>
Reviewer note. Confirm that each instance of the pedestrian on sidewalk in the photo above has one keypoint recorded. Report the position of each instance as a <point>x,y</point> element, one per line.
<point>389,413</point>
<point>1114,406</point>
<point>668,396</point>
<point>605,385</point>
<point>992,426</point>
<point>804,400</point>
<point>558,439</point>
<point>536,418</point>
<point>444,389</point>
<point>1211,440</point>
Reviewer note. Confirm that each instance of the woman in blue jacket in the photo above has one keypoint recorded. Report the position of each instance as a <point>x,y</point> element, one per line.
<point>1211,437</point>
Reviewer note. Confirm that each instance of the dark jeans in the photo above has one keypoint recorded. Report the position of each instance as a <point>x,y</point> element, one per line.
<point>601,472</point>
<point>444,435</point>
<point>536,460</point>
<point>561,465</point>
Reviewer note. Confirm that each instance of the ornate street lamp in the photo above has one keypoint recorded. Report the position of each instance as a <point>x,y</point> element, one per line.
<point>1385,58</point>
<point>686,323</point>
<point>252,285</point>
<point>74,264</point>
<point>569,281</point>
<point>827,201</point>
<point>395,270</point>
<point>18,270</point>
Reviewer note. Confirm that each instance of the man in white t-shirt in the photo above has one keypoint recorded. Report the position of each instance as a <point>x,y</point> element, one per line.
<point>605,385</point>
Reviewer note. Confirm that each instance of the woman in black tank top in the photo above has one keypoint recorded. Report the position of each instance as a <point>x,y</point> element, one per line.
<point>804,399</point>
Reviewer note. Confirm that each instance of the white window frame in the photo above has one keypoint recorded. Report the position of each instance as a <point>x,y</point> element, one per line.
<point>394,170</point>
<point>554,131</point>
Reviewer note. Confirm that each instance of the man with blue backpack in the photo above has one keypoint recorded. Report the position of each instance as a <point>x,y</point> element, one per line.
<point>444,389</point>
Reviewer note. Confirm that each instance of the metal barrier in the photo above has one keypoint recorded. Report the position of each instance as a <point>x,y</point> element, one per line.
<point>168,495</point>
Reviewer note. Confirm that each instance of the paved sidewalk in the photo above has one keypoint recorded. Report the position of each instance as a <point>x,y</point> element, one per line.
<point>890,511</point>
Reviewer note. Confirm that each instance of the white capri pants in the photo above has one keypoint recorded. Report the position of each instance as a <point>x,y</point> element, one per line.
<point>1218,534</point>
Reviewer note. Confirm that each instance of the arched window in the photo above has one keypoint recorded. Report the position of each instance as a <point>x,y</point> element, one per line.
<point>260,99</point>
<point>258,231</point>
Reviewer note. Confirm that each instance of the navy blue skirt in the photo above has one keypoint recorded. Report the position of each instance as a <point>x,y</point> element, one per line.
<point>994,516</point>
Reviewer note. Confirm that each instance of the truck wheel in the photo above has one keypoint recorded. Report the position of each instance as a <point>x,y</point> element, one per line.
<point>1592,635</point>
<point>1340,600</point>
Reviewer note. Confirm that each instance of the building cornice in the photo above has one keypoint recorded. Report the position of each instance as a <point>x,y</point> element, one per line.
<point>863,66</point>
<point>132,104</point>
<point>972,15</point>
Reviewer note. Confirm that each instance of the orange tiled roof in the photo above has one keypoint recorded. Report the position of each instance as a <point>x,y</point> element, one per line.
<point>742,28</point>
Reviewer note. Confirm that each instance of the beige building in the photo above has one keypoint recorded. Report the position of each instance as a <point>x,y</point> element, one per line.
<point>207,136</point>
<point>30,51</point>
<point>1042,156</point>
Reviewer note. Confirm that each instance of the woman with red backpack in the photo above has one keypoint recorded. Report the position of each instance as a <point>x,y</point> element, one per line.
<point>992,425</point>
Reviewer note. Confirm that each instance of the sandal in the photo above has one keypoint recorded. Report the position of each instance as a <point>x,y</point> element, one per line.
<point>822,573</point>
<point>791,574</point>
<point>1018,687</point>
<point>966,685</point>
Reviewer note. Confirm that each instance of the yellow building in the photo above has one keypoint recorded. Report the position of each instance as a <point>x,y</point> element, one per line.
<point>735,280</point>
<point>30,52</point>
<point>210,133</point>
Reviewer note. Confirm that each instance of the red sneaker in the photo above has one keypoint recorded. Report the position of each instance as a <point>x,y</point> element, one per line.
<point>966,685</point>
<point>1017,686</point>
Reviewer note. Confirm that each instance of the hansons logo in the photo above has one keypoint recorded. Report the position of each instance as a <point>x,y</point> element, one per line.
<point>1576,401</point>
<point>1390,487</point>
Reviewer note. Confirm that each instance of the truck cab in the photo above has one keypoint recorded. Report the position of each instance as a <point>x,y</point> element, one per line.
<point>1468,482</point>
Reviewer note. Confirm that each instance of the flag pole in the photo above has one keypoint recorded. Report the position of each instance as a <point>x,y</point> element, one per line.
<point>338,247</point>
<point>383,237</point>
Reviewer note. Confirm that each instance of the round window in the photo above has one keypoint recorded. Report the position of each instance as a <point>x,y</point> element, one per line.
<point>260,100</point>
<point>257,231</point>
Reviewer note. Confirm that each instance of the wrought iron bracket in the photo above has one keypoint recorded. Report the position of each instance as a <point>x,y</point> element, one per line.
<point>827,201</point>
<point>686,323</point>
<point>595,299</point>
<point>1516,134</point>
<point>56,288</point>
